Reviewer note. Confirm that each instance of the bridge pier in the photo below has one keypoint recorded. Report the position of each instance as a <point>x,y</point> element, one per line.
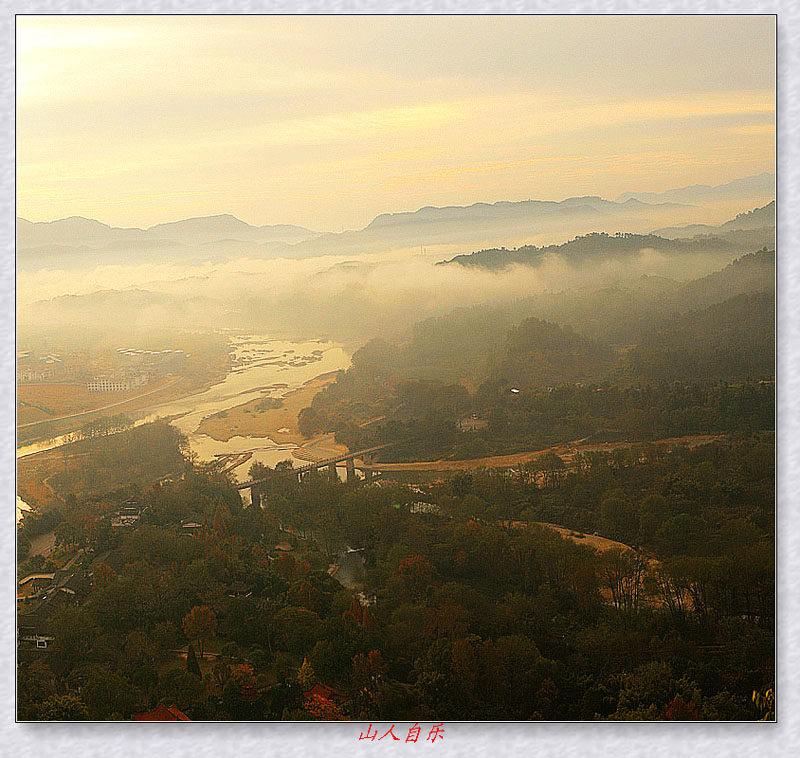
<point>257,495</point>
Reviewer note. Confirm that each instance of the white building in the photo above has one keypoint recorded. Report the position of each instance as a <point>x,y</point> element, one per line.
<point>115,383</point>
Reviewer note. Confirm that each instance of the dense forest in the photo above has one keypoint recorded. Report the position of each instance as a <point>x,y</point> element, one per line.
<point>468,608</point>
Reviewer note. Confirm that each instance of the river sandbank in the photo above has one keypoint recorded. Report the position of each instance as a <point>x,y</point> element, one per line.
<point>255,419</point>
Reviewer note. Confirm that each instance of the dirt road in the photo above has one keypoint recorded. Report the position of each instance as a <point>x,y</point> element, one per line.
<point>566,451</point>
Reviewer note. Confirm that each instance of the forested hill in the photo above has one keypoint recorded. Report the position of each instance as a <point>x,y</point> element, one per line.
<point>599,246</point>
<point>754,272</point>
<point>539,353</point>
<point>757,219</point>
<point>459,344</point>
<point>734,340</point>
<point>637,340</point>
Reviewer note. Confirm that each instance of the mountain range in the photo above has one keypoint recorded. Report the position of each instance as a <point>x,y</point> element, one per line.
<point>760,218</point>
<point>77,242</point>
<point>748,231</point>
<point>77,231</point>
<point>749,188</point>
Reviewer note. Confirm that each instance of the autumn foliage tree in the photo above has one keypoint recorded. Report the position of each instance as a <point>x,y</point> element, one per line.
<point>680,710</point>
<point>369,672</point>
<point>200,624</point>
<point>221,518</point>
<point>306,676</point>
<point>354,613</point>
<point>417,572</point>
<point>323,709</point>
<point>104,575</point>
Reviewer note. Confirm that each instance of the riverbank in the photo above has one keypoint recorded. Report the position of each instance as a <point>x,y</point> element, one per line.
<point>130,404</point>
<point>255,365</point>
<point>42,403</point>
<point>256,419</point>
<point>50,410</point>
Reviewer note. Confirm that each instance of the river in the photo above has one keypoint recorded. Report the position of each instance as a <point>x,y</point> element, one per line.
<point>262,367</point>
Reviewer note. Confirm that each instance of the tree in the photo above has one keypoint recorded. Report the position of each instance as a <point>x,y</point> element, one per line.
<point>35,683</point>
<point>765,704</point>
<point>192,666</point>
<point>103,575</point>
<point>654,512</point>
<point>618,517</point>
<point>369,672</point>
<point>355,613</point>
<point>651,692</point>
<point>221,672</point>
<point>177,686</point>
<point>165,635</point>
<point>512,673</point>
<point>417,572</point>
<point>63,708</point>
<point>552,466</point>
<point>681,534</point>
<point>242,693</point>
<point>622,572</point>
<point>200,624</point>
<point>680,710</point>
<point>221,518</point>
<point>74,632</point>
<point>109,694</point>
<point>297,628</point>
<point>323,709</point>
<point>306,676</point>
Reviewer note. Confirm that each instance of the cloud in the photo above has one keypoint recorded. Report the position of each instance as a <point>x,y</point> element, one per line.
<point>346,297</point>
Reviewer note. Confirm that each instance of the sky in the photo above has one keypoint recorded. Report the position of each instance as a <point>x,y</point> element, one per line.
<point>327,122</point>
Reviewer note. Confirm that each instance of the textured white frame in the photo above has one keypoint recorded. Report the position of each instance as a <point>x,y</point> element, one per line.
<point>565,740</point>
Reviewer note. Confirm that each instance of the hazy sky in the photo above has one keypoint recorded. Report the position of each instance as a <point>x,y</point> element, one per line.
<point>327,122</point>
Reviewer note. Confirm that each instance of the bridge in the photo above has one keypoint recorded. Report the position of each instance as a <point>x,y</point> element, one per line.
<point>326,463</point>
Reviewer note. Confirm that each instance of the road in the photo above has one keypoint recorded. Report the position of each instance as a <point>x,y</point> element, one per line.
<point>565,450</point>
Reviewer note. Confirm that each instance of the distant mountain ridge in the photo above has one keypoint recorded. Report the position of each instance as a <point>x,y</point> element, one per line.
<point>585,204</point>
<point>747,231</point>
<point>759,218</point>
<point>77,241</point>
<point>50,243</point>
<point>590,247</point>
<point>760,185</point>
<point>482,223</point>
<point>78,231</point>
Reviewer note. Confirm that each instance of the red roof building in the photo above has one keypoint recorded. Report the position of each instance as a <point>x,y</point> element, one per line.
<point>323,691</point>
<point>162,713</point>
